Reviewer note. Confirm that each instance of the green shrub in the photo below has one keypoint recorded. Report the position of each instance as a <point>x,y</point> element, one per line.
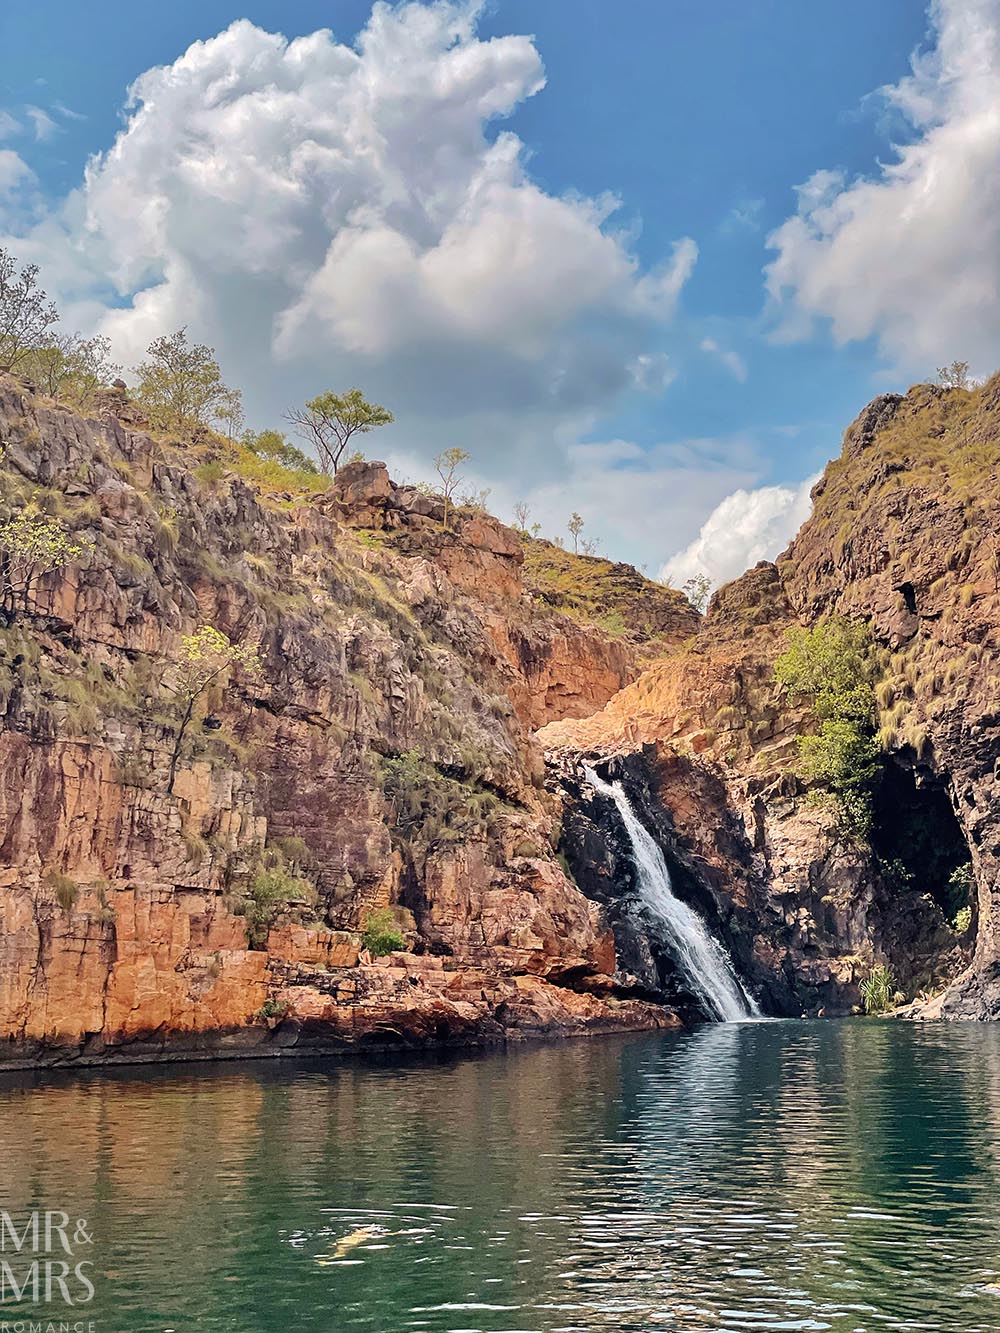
<point>962,882</point>
<point>276,475</point>
<point>272,885</point>
<point>381,934</point>
<point>613,623</point>
<point>878,990</point>
<point>833,664</point>
<point>211,472</point>
<point>271,1009</point>
<point>962,921</point>
<point>958,899</point>
<point>896,875</point>
<point>274,447</point>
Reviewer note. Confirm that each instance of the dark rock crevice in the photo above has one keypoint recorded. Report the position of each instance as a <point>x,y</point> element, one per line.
<point>917,834</point>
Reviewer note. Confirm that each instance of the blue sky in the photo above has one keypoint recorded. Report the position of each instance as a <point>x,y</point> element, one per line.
<point>673,395</point>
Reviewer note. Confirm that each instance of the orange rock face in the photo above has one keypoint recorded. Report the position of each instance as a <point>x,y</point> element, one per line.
<point>135,920</point>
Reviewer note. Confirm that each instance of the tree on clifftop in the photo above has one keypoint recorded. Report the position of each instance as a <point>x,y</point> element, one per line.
<point>447,466</point>
<point>181,387</point>
<point>72,368</point>
<point>329,421</point>
<point>955,376</point>
<point>26,313</point>
<point>575,526</point>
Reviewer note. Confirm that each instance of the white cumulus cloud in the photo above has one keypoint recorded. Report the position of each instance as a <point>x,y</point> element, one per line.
<point>911,254</point>
<point>328,215</point>
<point>745,527</point>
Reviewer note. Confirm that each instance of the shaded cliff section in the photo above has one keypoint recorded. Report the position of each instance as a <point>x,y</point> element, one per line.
<point>387,749</point>
<point>904,537</point>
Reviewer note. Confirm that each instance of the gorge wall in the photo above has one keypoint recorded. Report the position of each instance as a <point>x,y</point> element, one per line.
<point>414,741</point>
<point>384,754</point>
<point>905,538</point>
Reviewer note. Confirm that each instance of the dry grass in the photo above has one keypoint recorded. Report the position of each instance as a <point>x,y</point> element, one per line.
<point>615,597</point>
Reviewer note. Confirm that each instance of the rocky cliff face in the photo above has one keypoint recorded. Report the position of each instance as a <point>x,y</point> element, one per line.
<point>384,754</point>
<point>905,538</point>
<point>414,739</point>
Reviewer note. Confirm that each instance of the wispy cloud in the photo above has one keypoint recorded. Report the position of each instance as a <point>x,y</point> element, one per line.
<point>733,362</point>
<point>67,112</point>
<point>44,126</point>
<point>747,215</point>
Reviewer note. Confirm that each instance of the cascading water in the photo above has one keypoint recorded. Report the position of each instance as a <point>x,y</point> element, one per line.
<point>703,961</point>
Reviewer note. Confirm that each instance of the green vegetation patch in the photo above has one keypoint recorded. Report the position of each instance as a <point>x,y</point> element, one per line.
<point>275,882</point>
<point>381,934</point>
<point>834,666</point>
<point>878,991</point>
<point>432,805</point>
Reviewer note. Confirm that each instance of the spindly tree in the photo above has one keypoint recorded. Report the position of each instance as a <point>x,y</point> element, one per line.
<point>575,526</point>
<point>955,376</point>
<point>697,589</point>
<point>447,465</point>
<point>31,545</point>
<point>331,420</point>
<point>26,313</point>
<point>206,655</point>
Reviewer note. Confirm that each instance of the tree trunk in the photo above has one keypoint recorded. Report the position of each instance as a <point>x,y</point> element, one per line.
<point>177,743</point>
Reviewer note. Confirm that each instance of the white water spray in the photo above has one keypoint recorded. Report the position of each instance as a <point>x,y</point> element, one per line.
<point>706,966</point>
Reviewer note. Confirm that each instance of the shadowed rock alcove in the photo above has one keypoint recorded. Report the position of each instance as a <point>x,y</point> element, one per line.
<point>918,838</point>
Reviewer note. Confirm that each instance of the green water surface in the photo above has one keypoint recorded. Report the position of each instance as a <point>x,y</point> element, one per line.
<point>761,1176</point>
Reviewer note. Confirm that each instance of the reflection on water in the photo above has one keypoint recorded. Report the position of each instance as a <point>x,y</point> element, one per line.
<point>774,1176</point>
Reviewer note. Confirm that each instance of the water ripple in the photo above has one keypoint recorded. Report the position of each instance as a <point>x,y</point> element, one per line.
<point>752,1178</point>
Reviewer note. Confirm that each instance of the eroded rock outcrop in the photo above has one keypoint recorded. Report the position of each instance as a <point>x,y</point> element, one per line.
<point>386,755</point>
<point>390,646</point>
<point>904,537</point>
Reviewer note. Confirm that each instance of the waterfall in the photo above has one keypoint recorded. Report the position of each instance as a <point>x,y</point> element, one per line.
<point>704,963</point>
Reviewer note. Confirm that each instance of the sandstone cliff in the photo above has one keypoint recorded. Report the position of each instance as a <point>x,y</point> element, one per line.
<point>383,758</point>
<point>904,537</point>
<point>413,742</point>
